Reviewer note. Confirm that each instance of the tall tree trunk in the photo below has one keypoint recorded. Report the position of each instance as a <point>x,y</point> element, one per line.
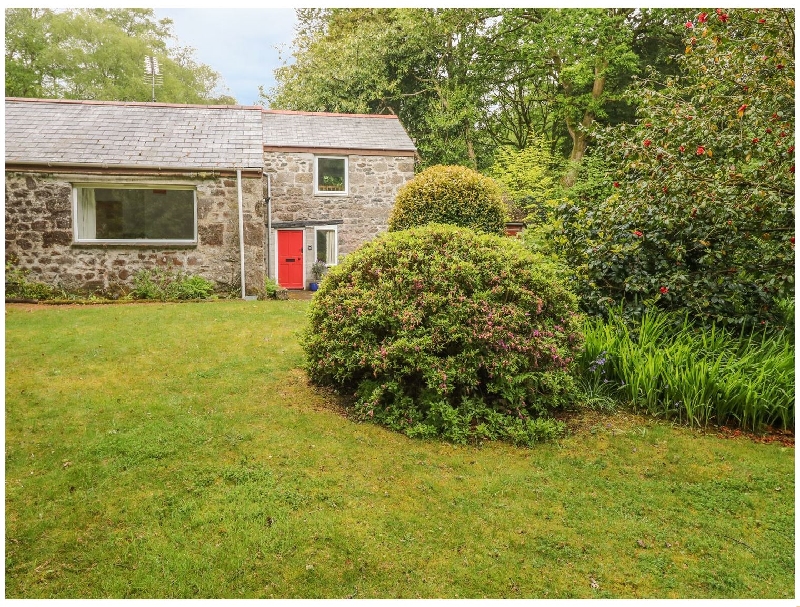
<point>579,135</point>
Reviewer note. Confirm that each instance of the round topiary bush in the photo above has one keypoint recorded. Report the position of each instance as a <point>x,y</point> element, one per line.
<point>440,331</point>
<point>453,195</point>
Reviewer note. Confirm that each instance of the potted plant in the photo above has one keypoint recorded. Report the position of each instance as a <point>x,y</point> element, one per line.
<point>318,269</point>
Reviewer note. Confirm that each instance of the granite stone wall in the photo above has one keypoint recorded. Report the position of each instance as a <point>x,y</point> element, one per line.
<point>361,215</point>
<point>39,233</point>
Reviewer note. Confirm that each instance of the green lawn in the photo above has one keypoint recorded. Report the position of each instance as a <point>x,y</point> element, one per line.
<point>176,450</point>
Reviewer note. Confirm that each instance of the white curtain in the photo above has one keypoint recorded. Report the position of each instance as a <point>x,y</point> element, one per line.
<point>87,214</point>
<point>330,246</point>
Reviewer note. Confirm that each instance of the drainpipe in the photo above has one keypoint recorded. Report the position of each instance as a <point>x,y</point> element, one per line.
<point>241,226</point>
<point>269,226</point>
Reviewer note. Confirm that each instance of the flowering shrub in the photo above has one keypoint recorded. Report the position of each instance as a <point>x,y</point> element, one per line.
<point>440,331</point>
<point>453,195</point>
<point>699,215</point>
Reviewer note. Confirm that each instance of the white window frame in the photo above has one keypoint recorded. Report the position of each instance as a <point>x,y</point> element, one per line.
<point>335,230</point>
<point>346,176</point>
<point>76,239</point>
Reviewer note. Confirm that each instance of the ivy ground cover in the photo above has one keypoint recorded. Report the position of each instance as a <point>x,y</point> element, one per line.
<point>176,450</point>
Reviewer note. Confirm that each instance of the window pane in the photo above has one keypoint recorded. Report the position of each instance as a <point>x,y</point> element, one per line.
<point>330,174</point>
<point>326,246</point>
<point>127,214</point>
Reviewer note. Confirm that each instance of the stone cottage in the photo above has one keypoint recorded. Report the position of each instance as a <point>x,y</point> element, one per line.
<point>97,190</point>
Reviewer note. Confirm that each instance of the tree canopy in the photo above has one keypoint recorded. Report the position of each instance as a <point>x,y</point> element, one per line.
<point>99,54</point>
<point>467,81</point>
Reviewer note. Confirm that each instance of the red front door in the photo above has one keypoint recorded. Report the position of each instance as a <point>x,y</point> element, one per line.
<point>290,259</point>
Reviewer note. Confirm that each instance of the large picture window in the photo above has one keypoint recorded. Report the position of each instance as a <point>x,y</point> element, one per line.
<point>127,214</point>
<point>327,245</point>
<point>330,175</point>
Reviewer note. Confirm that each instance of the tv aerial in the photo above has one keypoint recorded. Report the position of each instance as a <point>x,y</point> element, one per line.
<point>152,74</point>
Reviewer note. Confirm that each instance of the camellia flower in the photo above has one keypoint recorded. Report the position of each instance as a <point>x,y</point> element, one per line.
<point>638,233</point>
<point>762,20</point>
<point>722,16</point>
<point>791,149</point>
<point>682,148</point>
<point>664,290</point>
<point>616,184</point>
<point>700,150</point>
<point>702,17</point>
<point>689,24</point>
<point>647,143</point>
<point>755,139</point>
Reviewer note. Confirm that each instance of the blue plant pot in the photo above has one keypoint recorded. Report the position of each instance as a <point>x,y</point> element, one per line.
<point>312,286</point>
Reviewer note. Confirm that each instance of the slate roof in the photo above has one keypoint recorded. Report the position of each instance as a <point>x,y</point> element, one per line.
<point>340,131</point>
<point>171,136</point>
<point>133,134</point>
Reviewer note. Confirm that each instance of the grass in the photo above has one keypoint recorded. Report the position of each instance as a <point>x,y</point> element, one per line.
<point>697,377</point>
<point>175,450</point>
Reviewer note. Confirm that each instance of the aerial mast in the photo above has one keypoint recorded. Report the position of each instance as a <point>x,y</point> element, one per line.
<point>152,73</point>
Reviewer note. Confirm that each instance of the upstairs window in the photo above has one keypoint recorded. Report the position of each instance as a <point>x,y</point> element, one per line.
<point>330,175</point>
<point>123,214</point>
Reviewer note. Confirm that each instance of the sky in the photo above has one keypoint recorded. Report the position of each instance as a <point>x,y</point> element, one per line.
<point>239,43</point>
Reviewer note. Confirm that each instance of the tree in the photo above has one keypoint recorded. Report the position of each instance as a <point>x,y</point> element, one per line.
<point>702,215</point>
<point>465,81</point>
<point>417,64</point>
<point>99,54</point>
<point>527,176</point>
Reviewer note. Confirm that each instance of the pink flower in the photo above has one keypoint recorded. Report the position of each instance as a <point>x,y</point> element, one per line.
<point>700,150</point>
<point>638,233</point>
<point>689,24</point>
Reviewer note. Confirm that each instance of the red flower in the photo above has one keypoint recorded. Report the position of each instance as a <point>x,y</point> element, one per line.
<point>783,134</point>
<point>664,290</point>
<point>742,108</point>
<point>702,17</point>
<point>769,130</point>
<point>779,66</point>
<point>682,148</point>
<point>791,239</point>
<point>664,189</point>
<point>616,184</point>
<point>638,234</point>
<point>647,143</point>
<point>700,150</point>
<point>722,16</point>
<point>755,139</point>
<point>689,24</point>
<point>791,149</point>
<point>791,169</point>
